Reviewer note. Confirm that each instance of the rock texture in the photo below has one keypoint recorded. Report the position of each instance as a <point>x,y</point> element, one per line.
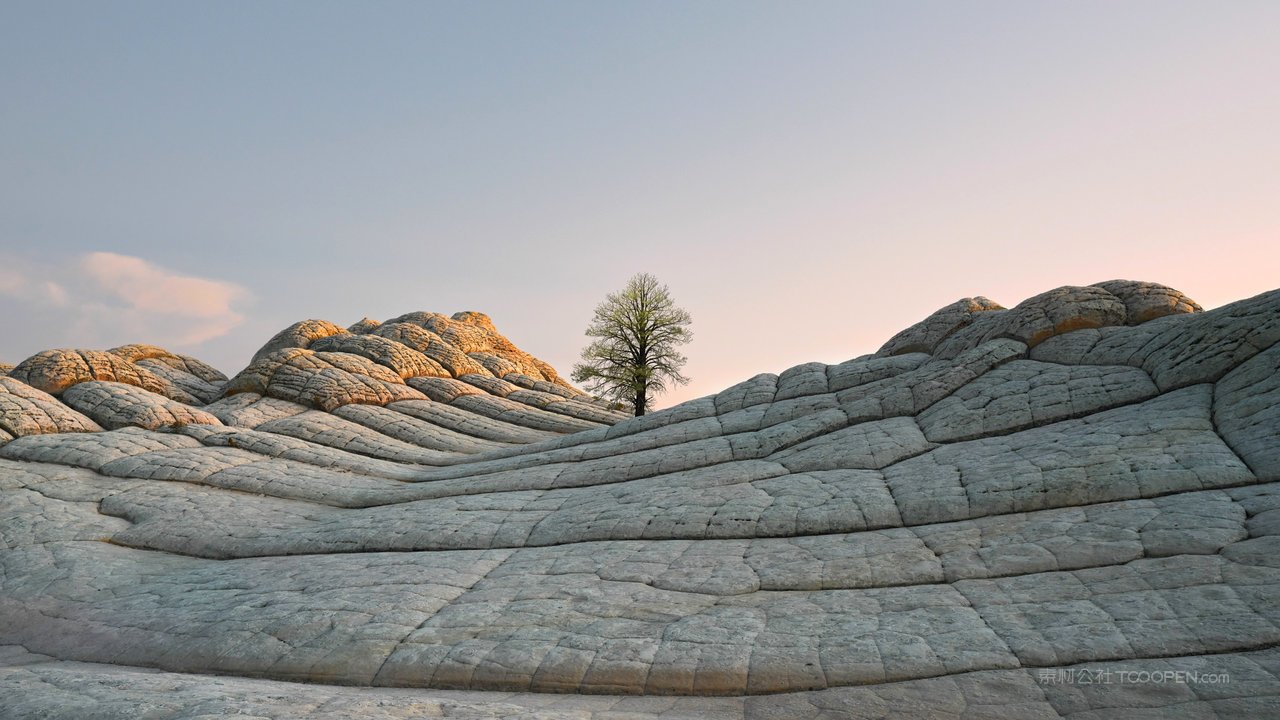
<point>1070,508</point>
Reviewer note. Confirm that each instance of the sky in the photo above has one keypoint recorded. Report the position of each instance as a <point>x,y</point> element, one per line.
<point>807,178</point>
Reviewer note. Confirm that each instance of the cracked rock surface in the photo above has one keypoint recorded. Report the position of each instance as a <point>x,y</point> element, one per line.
<point>1065,509</point>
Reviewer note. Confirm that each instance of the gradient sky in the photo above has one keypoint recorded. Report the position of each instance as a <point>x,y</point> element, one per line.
<point>808,178</point>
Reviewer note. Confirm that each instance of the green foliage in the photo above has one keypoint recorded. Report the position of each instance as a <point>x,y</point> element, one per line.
<point>634,355</point>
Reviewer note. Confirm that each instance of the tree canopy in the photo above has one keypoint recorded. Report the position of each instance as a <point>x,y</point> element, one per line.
<point>634,355</point>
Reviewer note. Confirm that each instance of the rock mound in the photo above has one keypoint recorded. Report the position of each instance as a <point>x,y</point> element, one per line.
<point>1003,513</point>
<point>424,368</point>
<point>967,323</point>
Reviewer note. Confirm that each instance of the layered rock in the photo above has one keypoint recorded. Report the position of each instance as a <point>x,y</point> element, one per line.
<point>423,368</point>
<point>997,505</point>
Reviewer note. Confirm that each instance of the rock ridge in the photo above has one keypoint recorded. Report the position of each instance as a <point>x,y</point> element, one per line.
<point>419,518</point>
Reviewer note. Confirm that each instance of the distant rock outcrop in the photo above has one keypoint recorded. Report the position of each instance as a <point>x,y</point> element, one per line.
<point>967,323</point>
<point>404,364</point>
<point>1070,507</point>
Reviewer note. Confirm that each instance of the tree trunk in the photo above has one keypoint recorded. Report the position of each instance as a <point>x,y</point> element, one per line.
<point>640,403</point>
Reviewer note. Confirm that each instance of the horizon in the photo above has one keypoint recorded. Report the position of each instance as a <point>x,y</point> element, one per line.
<point>807,182</point>
<point>663,401</point>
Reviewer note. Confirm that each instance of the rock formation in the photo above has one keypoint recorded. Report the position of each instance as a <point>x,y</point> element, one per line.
<point>1068,508</point>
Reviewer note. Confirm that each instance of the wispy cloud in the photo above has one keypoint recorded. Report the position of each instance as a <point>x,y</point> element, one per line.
<point>105,298</point>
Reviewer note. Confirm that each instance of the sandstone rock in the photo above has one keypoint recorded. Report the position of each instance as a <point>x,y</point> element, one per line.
<point>1145,301</point>
<point>1177,350</point>
<point>249,410</point>
<point>413,430</point>
<point>323,380</point>
<point>518,413</point>
<point>115,405</point>
<point>1036,319</point>
<point>359,468</point>
<point>184,363</point>
<point>365,325</point>
<point>1024,393</point>
<point>298,335</point>
<point>478,319</point>
<point>1246,410</point>
<point>92,450</point>
<point>452,359</point>
<point>969,322</point>
<point>25,410</point>
<point>468,423</point>
<point>996,500</point>
<point>184,386</point>
<point>36,686</point>
<point>53,371</point>
<point>405,361</point>
<point>924,336</point>
<point>333,430</point>
<point>473,333</point>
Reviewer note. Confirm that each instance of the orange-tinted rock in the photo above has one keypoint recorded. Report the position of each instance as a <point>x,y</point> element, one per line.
<point>56,370</point>
<point>185,363</point>
<point>363,326</point>
<point>401,358</point>
<point>1147,300</point>
<point>967,323</point>
<point>299,335</point>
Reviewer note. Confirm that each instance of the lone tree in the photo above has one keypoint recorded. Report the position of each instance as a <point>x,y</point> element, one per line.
<point>634,354</point>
